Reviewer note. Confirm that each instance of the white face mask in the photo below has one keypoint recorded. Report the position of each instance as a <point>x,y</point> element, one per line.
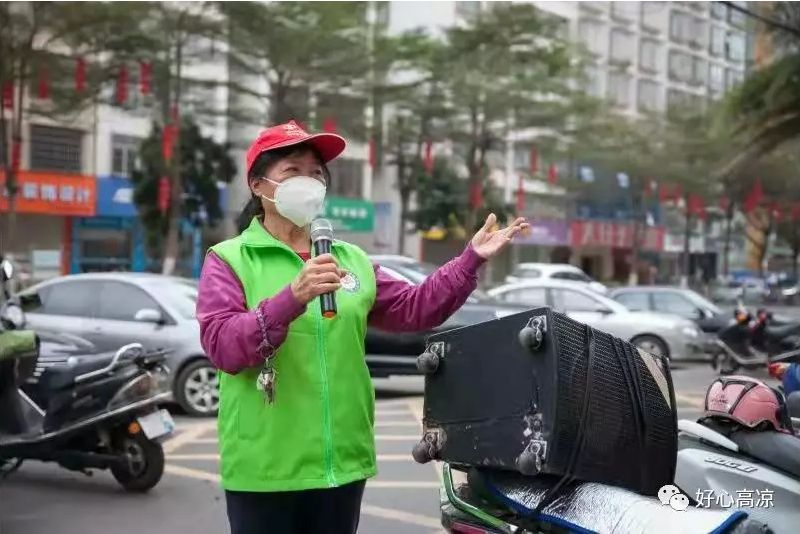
<point>298,198</point>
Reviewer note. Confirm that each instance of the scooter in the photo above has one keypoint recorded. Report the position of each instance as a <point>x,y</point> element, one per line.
<point>733,348</point>
<point>768,336</point>
<point>95,412</point>
<point>721,464</point>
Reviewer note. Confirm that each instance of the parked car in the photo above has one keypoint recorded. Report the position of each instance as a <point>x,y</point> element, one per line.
<point>675,301</point>
<point>391,353</point>
<point>748,291</point>
<point>656,333</point>
<point>554,271</point>
<point>110,310</point>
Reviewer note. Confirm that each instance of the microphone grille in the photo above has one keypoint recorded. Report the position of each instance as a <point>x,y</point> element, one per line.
<point>321,229</point>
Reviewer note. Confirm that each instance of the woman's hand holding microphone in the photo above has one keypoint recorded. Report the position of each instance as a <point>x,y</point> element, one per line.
<point>319,275</point>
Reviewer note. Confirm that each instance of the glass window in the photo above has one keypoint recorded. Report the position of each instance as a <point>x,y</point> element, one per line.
<point>625,10</point>
<point>717,46</point>
<point>121,301</point>
<point>567,300</point>
<point>734,46</point>
<point>648,95</point>
<point>530,296</point>
<point>697,34</point>
<point>653,13</point>
<point>125,154</point>
<point>619,88</point>
<point>179,294</point>
<point>56,149</point>
<point>74,299</point>
<point>621,46</point>
<point>716,79</point>
<point>527,272</point>
<point>719,10</point>
<point>648,55</point>
<point>571,276</point>
<point>594,82</point>
<point>736,17</point>
<point>680,26</point>
<point>590,34</point>
<point>680,66</point>
<point>698,70</point>
<point>734,78</point>
<point>634,301</point>
<point>674,303</point>
<point>346,177</point>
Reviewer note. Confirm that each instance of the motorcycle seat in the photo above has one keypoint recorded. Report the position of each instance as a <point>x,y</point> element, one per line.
<point>62,376</point>
<point>589,507</point>
<point>781,451</point>
<point>777,332</point>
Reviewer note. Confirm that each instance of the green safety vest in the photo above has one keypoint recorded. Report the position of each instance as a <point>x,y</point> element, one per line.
<point>318,433</point>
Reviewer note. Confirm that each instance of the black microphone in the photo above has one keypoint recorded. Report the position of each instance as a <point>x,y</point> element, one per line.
<point>322,237</point>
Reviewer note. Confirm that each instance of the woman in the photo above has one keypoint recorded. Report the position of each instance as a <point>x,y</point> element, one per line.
<point>296,401</point>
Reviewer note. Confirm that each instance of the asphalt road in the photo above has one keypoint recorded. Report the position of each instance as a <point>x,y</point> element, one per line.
<point>403,498</point>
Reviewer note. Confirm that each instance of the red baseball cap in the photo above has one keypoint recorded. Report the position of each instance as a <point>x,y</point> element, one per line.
<point>329,145</point>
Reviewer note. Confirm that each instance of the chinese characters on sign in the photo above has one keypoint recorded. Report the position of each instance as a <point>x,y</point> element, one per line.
<point>614,235</point>
<point>742,499</point>
<point>52,194</point>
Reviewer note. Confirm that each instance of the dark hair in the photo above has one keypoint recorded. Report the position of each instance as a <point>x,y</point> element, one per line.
<point>261,166</point>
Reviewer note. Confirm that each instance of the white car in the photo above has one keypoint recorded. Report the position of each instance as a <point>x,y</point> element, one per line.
<point>661,334</point>
<point>562,272</point>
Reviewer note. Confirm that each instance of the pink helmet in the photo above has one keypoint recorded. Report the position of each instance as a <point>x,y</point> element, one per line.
<point>744,400</point>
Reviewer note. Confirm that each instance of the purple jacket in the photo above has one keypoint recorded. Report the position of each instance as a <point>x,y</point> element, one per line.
<point>234,337</point>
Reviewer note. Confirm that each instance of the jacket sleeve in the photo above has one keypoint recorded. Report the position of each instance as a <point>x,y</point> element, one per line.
<point>403,307</point>
<point>233,337</point>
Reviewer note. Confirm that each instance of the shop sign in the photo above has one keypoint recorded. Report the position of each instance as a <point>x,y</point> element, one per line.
<point>547,232</point>
<point>52,193</point>
<point>115,197</point>
<point>350,215</point>
<point>613,235</point>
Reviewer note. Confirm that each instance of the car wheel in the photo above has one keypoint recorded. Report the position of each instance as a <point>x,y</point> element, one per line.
<point>652,344</point>
<point>197,389</point>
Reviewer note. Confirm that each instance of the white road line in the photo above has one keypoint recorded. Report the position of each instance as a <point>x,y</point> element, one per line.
<point>206,440</point>
<point>397,423</point>
<point>198,474</point>
<point>397,437</point>
<point>403,517</point>
<point>379,412</point>
<point>697,401</point>
<point>185,437</point>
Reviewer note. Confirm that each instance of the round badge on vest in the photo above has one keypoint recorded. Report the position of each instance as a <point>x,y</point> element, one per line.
<point>350,282</point>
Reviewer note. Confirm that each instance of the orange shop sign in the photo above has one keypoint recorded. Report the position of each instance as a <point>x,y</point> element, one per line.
<point>52,193</point>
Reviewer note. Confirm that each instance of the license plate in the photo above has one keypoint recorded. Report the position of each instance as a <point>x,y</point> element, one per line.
<point>157,424</point>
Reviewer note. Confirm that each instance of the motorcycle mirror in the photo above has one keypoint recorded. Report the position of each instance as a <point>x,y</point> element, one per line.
<point>7,270</point>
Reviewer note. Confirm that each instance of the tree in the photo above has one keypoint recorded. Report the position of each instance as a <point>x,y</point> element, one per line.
<point>42,45</point>
<point>203,164</point>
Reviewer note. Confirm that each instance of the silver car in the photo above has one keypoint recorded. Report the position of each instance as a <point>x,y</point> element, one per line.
<point>671,336</point>
<point>113,309</point>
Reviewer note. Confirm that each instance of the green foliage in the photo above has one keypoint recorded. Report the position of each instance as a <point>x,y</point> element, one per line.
<point>203,164</point>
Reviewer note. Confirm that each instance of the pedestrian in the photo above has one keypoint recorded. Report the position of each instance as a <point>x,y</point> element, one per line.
<point>296,408</point>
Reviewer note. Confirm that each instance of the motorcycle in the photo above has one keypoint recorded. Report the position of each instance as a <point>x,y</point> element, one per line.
<point>729,457</point>
<point>86,412</point>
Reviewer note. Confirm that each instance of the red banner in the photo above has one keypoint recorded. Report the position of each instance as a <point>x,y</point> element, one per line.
<point>52,193</point>
<point>80,75</point>
<point>163,194</point>
<point>613,235</point>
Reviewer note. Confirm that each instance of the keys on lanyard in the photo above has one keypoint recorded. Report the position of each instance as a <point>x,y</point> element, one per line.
<point>266,381</point>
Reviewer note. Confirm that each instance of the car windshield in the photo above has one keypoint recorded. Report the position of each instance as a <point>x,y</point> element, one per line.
<point>180,293</point>
<point>703,302</point>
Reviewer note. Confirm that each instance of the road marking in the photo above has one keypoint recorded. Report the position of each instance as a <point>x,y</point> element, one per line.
<point>214,457</point>
<point>198,474</point>
<point>403,517</point>
<point>379,412</point>
<point>185,437</point>
<point>698,401</point>
<point>206,440</point>
<point>396,437</point>
<point>397,423</point>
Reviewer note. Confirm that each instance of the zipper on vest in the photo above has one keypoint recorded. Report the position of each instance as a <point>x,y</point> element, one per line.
<point>326,401</point>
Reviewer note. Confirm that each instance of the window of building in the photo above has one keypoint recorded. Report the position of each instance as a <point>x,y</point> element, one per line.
<point>719,10</point>
<point>625,11</point>
<point>736,17</point>
<point>717,45</point>
<point>679,101</point>
<point>619,88</point>
<point>716,79</point>
<point>699,71</point>
<point>680,26</point>
<point>594,81</point>
<point>734,78</point>
<point>649,55</point>
<point>648,95</point>
<point>653,15</point>
<point>590,34</point>
<point>55,149</point>
<point>680,66</point>
<point>621,46</point>
<point>735,46</point>
<point>347,176</point>
<point>124,155</point>
<point>697,36</point>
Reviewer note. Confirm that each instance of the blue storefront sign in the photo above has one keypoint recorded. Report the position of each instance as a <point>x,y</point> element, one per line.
<point>115,197</point>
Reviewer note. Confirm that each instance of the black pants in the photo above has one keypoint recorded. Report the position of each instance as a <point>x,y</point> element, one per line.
<point>322,511</point>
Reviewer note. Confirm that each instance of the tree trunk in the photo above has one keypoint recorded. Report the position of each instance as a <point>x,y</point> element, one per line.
<point>687,254</point>
<point>172,247</point>
<point>403,187</point>
<point>726,250</point>
<point>763,253</point>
